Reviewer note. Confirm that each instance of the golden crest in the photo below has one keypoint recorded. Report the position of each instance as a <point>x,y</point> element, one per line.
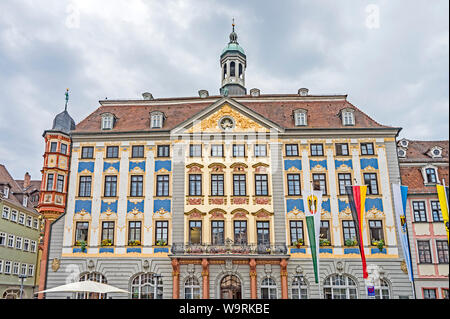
<point>403,267</point>
<point>55,264</point>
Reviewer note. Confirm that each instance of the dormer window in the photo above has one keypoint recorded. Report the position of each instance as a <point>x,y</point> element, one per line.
<point>403,143</point>
<point>301,117</point>
<point>430,174</point>
<point>436,152</point>
<point>156,119</point>
<point>25,201</point>
<point>348,117</point>
<point>108,120</point>
<point>401,152</point>
<point>6,191</point>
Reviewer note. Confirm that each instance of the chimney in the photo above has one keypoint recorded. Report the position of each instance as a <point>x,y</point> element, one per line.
<point>27,180</point>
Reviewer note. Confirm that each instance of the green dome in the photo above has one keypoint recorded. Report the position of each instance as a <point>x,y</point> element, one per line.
<point>233,47</point>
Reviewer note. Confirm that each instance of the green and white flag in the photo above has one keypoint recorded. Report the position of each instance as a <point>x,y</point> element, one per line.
<point>312,201</point>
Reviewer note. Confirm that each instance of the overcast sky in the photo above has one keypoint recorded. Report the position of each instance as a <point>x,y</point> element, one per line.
<point>390,57</point>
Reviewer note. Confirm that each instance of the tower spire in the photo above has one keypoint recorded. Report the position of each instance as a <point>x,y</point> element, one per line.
<point>67,99</point>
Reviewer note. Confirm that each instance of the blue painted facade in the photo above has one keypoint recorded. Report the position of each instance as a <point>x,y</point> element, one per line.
<point>293,163</point>
<point>365,162</point>
<point>167,165</point>
<point>89,166</point>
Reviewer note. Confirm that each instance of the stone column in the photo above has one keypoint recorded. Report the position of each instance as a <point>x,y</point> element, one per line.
<point>253,285</point>
<point>175,279</point>
<point>284,279</point>
<point>205,276</point>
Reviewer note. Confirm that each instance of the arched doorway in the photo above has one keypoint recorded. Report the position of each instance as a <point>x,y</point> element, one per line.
<point>230,287</point>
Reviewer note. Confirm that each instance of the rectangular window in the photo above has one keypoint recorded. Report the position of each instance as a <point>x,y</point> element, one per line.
<point>10,241</point>
<point>49,182</point>
<point>367,149</point>
<point>239,185</point>
<point>349,230</point>
<point>294,184</point>
<point>316,150</point>
<point>29,221</point>
<point>344,179</point>
<point>82,231</point>
<point>217,150</point>
<point>296,230</point>
<point>1,266</point>
<point>419,211</point>
<point>21,219</point>
<point>238,150</point>
<point>423,247</point>
<point>240,232</point>
<point>163,150</point>
<point>2,239</point>
<point>110,186</point>
<point>137,186</point>
<point>442,251</point>
<point>19,242</point>
<point>53,146</point>
<point>108,232</point>
<point>23,269</point>
<point>195,150</point>
<point>431,175</point>
<point>5,213</point>
<point>429,294</point>
<point>26,244</point>
<point>7,267</point>
<point>14,215</point>
<point>195,232</point>
<point>87,152</point>
<point>15,268</point>
<point>195,185</point>
<point>321,182</point>
<point>137,151</point>
<point>112,152</point>
<point>217,186</point>
<point>260,150</point>
<point>342,149</point>
<point>263,233</point>
<point>162,185</point>
<point>60,184</point>
<point>261,184</point>
<point>30,270</point>
<point>217,232</point>
<point>134,232</point>
<point>162,232</point>
<point>436,211</point>
<point>35,223</point>
<point>85,186</point>
<point>291,149</point>
<point>376,230</point>
<point>63,148</point>
<point>325,230</point>
<point>370,179</point>
<point>33,246</point>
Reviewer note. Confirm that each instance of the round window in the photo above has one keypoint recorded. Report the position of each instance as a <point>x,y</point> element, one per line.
<point>226,123</point>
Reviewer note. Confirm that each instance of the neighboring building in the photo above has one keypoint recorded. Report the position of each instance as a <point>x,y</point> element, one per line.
<point>19,235</point>
<point>423,164</point>
<point>201,197</point>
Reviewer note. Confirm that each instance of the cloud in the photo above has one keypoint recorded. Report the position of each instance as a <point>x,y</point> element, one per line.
<point>396,73</point>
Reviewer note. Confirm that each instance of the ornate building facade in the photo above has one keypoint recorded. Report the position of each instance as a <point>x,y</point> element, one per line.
<point>201,197</point>
<point>423,165</point>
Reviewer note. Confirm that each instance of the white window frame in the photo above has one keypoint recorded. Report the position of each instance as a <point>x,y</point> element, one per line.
<point>15,268</point>
<point>157,120</point>
<point>19,242</point>
<point>8,267</point>
<point>26,244</point>
<point>33,246</point>
<point>348,118</point>
<point>6,212</point>
<point>11,240</point>
<point>301,117</point>
<point>13,216</point>
<point>23,269</point>
<point>3,235</point>
<point>25,200</point>
<point>269,287</point>
<point>21,217</point>
<point>107,122</point>
<point>1,266</point>
<point>30,270</point>
<point>6,191</point>
<point>425,177</point>
<point>29,221</point>
<point>35,223</point>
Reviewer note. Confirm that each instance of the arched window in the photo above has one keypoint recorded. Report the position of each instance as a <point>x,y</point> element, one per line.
<point>93,276</point>
<point>340,287</point>
<point>12,294</point>
<point>382,291</point>
<point>230,287</point>
<point>191,288</point>
<point>147,286</point>
<point>240,71</point>
<point>268,289</point>
<point>224,70</point>
<point>232,69</point>
<point>299,288</point>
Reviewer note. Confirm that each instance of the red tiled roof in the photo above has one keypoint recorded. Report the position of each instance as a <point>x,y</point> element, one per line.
<point>321,114</point>
<point>417,151</point>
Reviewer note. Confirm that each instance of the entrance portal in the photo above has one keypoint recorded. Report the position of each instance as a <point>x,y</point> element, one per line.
<point>230,287</point>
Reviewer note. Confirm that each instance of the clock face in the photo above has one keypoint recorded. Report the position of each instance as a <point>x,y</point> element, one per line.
<point>226,123</point>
